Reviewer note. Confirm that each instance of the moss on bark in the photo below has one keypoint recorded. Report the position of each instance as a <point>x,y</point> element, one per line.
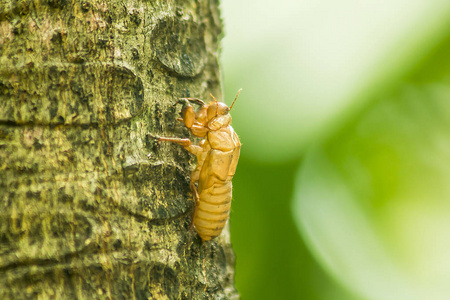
<point>90,207</point>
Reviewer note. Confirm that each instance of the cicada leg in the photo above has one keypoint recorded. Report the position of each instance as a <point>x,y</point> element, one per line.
<point>196,199</point>
<point>182,142</point>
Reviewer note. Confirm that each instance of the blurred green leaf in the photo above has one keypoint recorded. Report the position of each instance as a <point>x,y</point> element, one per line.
<point>374,200</point>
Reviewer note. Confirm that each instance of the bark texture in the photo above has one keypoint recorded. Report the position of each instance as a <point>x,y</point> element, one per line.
<point>85,212</point>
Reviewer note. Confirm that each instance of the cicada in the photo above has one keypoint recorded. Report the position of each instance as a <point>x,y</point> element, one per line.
<point>217,159</point>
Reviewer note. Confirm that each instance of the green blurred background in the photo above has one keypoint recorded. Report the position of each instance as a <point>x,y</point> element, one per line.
<point>343,186</point>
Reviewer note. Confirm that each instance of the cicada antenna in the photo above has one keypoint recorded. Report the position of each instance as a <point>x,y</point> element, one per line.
<point>213,97</point>
<point>235,99</point>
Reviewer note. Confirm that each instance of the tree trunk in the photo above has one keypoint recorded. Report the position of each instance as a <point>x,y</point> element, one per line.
<point>90,206</point>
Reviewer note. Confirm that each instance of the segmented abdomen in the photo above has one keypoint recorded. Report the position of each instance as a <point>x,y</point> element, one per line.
<point>213,209</point>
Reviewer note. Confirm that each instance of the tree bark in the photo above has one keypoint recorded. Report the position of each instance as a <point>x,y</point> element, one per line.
<point>90,206</point>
